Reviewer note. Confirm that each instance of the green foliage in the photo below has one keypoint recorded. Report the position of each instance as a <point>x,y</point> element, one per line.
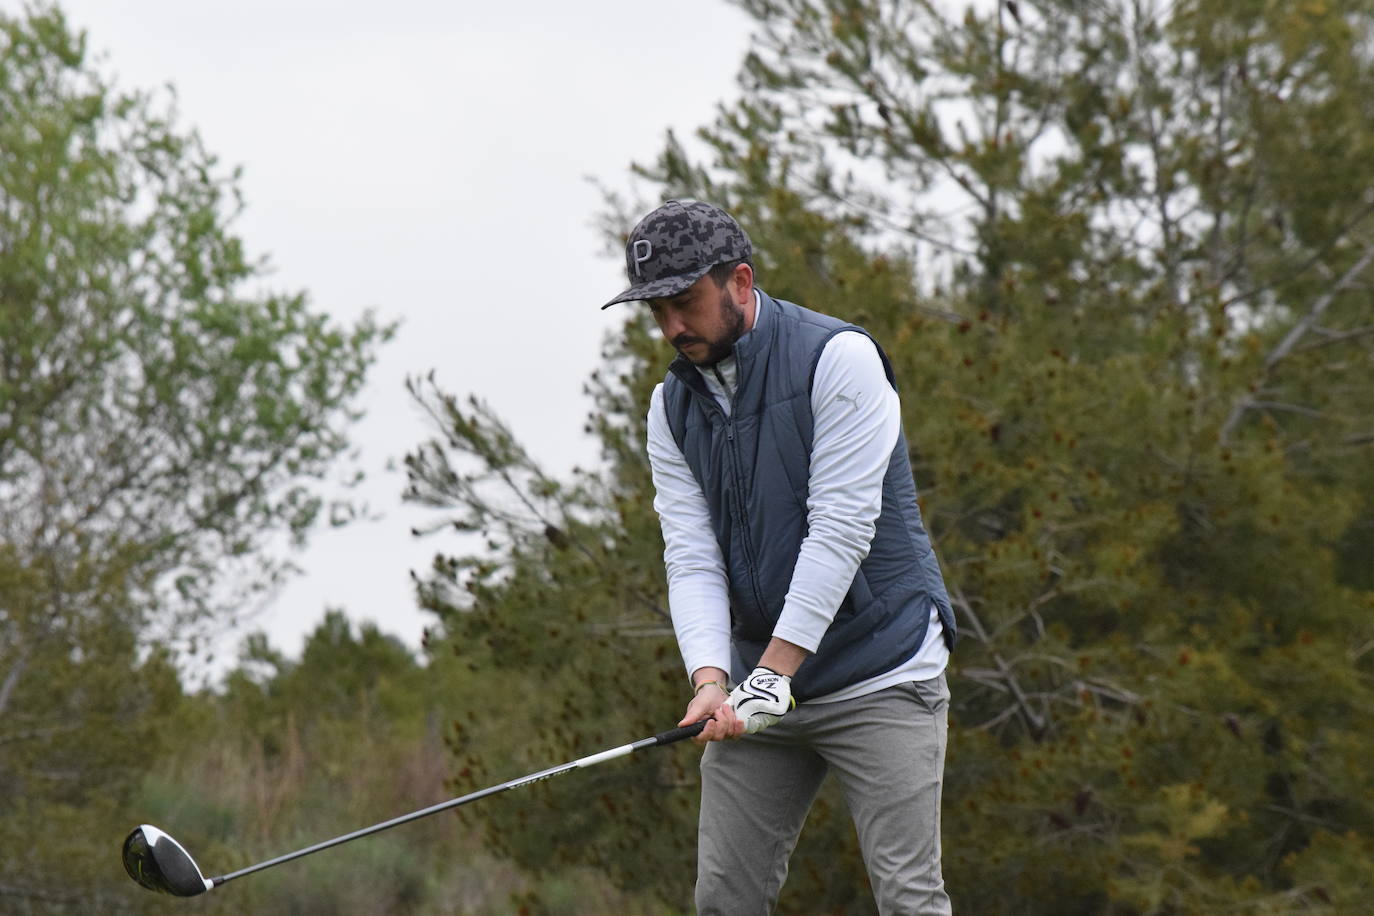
<point>1119,255</point>
<point>161,430</point>
<point>294,752</point>
<point>570,609</point>
<point>291,753</point>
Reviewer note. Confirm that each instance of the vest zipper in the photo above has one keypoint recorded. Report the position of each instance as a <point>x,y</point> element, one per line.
<point>729,395</point>
<point>741,515</point>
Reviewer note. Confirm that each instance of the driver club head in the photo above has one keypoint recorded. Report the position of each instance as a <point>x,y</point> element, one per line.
<point>160,863</point>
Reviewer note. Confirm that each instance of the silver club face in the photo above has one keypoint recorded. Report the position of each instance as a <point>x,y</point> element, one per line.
<point>160,863</point>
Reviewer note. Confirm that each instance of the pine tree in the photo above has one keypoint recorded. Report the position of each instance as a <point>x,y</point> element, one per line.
<point>1120,256</point>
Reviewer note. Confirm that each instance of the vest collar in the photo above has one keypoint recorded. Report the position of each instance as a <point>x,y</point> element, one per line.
<point>752,342</point>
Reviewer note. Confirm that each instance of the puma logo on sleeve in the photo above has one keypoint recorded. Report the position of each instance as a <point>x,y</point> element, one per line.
<point>854,401</point>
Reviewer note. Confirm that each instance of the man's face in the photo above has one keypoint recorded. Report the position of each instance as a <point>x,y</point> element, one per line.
<point>703,321</point>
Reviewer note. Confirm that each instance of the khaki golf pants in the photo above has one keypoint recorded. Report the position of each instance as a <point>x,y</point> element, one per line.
<point>886,749</point>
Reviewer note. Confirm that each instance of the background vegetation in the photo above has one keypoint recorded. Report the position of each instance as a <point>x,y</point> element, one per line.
<point>1121,256</point>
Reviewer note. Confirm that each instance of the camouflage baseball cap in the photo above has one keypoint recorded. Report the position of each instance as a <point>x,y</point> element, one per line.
<point>675,245</point>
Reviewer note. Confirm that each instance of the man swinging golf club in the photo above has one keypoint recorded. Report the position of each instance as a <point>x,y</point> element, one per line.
<point>798,571</point>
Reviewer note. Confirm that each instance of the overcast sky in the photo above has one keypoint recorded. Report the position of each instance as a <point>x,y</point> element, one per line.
<point>429,159</point>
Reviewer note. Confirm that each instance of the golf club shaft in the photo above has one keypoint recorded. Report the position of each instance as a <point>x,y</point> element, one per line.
<point>668,737</point>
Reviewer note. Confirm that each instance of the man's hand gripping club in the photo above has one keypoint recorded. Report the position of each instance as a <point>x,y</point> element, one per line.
<point>709,703</point>
<point>762,699</point>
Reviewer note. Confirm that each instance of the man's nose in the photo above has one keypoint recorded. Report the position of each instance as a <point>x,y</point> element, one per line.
<point>671,324</point>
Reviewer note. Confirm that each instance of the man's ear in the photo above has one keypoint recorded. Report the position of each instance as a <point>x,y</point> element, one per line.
<point>742,284</point>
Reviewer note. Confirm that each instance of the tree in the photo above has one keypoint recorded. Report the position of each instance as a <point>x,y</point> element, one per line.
<point>291,752</point>
<point>161,426</point>
<point>1120,256</point>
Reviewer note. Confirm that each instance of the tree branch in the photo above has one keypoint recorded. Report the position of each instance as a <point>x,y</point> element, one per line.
<point>1034,721</point>
<point>1295,334</point>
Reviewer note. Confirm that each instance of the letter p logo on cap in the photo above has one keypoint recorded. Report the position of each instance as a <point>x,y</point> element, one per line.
<point>643,250</point>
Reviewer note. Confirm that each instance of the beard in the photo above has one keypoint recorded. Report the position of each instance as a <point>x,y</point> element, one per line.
<point>723,347</point>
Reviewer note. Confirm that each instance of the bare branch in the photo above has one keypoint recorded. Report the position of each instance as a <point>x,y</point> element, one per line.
<point>1288,408</point>
<point>1335,337</point>
<point>1034,720</point>
<point>1318,309</point>
<point>12,678</point>
<point>1294,336</point>
<point>1288,271</point>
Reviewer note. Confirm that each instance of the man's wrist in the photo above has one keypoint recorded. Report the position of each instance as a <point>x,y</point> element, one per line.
<point>783,657</point>
<point>708,674</point>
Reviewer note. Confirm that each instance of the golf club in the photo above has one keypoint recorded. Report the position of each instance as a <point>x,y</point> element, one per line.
<point>158,862</point>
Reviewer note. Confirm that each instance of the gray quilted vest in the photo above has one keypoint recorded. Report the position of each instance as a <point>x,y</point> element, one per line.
<point>753,467</point>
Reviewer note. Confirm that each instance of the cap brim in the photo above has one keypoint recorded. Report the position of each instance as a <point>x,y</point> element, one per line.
<point>660,288</point>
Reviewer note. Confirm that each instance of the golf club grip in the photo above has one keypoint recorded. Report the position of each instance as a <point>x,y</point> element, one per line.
<point>678,734</point>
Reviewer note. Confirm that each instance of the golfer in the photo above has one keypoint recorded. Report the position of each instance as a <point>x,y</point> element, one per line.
<point>807,601</point>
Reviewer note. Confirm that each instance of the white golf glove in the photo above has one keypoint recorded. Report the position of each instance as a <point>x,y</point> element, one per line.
<point>762,699</point>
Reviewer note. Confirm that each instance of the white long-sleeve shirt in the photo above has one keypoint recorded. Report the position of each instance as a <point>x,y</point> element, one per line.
<point>857,421</point>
